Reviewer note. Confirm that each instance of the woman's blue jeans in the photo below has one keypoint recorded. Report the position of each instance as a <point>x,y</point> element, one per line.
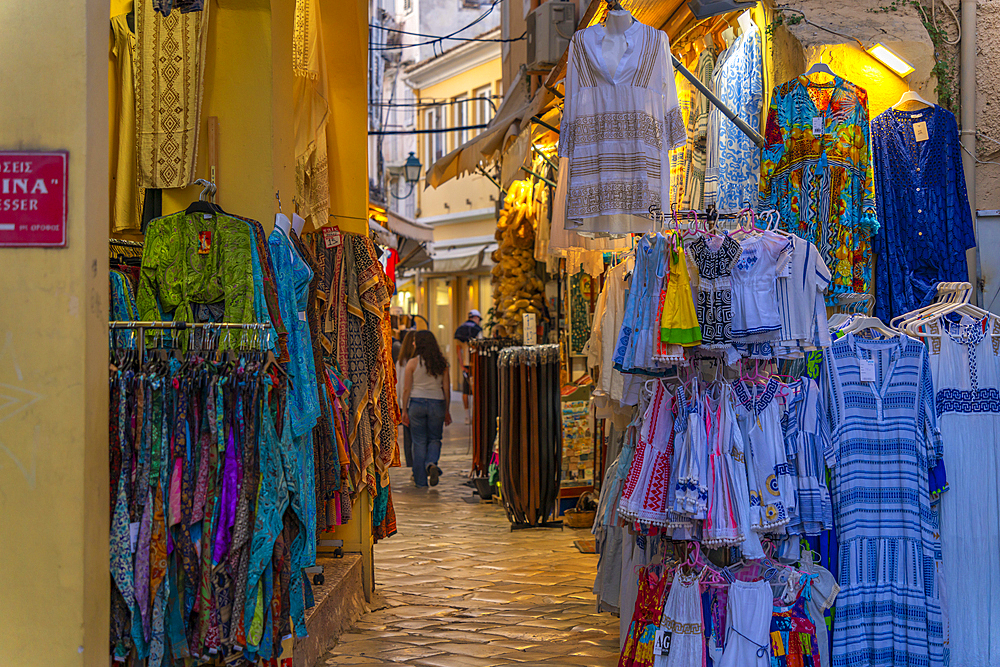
<point>426,430</point>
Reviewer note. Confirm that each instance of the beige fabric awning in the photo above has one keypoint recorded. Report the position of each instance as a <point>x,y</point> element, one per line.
<point>511,119</point>
<point>408,228</point>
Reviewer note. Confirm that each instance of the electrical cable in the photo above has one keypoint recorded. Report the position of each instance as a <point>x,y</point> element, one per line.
<point>973,156</point>
<point>439,39</point>
<point>436,37</point>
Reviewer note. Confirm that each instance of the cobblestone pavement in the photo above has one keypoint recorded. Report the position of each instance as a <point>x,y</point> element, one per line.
<point>459,589</point>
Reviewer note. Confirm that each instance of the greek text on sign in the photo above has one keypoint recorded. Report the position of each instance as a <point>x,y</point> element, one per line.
<point>33,198</point>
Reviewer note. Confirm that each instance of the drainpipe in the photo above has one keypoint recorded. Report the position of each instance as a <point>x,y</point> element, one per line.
<point>968,92</point>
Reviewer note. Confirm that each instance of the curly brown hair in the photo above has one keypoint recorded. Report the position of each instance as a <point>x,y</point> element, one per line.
<point>426,347</point>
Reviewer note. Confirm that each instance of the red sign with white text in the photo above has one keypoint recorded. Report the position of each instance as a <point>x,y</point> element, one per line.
<point>33,198</point>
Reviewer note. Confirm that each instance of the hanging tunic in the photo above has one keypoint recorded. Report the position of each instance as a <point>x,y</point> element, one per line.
<point>965,363</point>
<point>923,208</point>
<point>748,621</point>
<point>679,320</point>
<point>731,177</point>
<point>618,129</point>
<point>638,648</point>
<point>694,189</point>
<point>754,280</point>
<point>716,260</point>
<point>821,183</point>
<point>883,441</point>
<point>801,427</point>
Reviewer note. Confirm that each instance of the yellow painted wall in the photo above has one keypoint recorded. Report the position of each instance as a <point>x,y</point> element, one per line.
<point>53,348</point>
<point>474,188</point>
<point>345,31</point>
<point>462,230</point>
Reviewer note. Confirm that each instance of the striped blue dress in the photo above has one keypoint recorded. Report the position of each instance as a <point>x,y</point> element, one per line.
<point>881,440</point>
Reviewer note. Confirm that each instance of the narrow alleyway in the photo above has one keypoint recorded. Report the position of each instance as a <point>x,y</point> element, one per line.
<point>457,588</point>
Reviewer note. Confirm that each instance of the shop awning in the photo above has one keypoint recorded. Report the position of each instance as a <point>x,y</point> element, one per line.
<point>466,254</point>
<point>405,227</point>
<point>511,119</point>
<point>381,235</point>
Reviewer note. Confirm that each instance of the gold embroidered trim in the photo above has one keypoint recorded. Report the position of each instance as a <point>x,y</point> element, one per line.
<point>589,200</point>
<point>617,126</point>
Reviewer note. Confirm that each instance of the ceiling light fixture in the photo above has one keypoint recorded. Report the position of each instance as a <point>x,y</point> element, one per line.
<point>890,59</point>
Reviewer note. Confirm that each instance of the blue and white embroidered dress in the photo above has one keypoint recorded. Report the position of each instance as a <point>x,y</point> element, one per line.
<point>732,175</point>
<point>965,363</point>
<point>882,441</point>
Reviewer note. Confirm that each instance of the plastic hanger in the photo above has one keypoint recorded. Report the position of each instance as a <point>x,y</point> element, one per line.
<point>819,67</point>
<point>912,96</point>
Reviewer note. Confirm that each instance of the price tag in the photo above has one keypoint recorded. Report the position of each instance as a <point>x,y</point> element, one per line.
<point>920,131</point>
<point>331,237</point>
<point>661,645</point>
<point>133,534</point>
<point>204,242</point>
<point>819,126</point>
<point>530,326</point>
<point>867,370</point>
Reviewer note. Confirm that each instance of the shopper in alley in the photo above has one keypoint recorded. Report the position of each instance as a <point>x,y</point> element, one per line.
<point>426,401</point>
<point>468,331</point>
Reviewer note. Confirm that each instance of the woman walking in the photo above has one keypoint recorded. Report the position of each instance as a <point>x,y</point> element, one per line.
<point>426,401</point>
<point>405,354</point>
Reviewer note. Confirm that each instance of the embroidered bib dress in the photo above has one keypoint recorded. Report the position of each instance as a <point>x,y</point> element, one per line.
<point>965,363</point>
<point>715,260</point>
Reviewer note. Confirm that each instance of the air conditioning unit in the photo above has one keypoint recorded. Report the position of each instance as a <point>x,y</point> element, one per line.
<point>550,27</point>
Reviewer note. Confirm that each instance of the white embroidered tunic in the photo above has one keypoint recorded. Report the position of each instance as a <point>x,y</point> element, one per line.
<point>618,129</point>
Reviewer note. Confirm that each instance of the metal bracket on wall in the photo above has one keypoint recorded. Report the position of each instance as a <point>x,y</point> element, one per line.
<point>716,102</point>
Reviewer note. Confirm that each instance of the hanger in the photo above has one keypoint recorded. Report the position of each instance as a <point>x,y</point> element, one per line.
<point>819,67</point>
<point>204,204</point>
<point>912,96</point>
<point>871,324</point>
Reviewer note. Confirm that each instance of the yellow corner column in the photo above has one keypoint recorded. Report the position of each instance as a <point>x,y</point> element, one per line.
<point>54,580</point>
<point>345,34</point>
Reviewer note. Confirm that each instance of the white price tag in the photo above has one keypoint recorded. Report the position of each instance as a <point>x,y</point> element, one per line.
<point>867,370</point>
<point>530,326</point>
<point>133,533</point>
<point>920,131</point>
<point>819,126</point>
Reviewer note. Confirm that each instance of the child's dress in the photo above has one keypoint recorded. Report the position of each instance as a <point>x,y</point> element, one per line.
<point>679,323</point>
<point>754,281</point>
<point>715,291</point>
<point>638,648</point>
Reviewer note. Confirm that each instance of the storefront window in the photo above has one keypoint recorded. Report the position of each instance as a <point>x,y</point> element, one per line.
<point>440,313</point>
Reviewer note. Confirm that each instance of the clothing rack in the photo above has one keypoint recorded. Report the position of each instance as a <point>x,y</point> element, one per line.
<point>530,434</point>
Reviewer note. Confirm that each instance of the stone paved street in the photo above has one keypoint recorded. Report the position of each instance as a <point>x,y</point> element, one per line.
<point>457,588</point>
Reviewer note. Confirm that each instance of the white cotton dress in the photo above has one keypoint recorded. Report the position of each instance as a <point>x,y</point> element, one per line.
<point>618,129</point>
<point>682,616</point>
<point>769,474</point>
<point>965,365</point>
<point>748,625</point>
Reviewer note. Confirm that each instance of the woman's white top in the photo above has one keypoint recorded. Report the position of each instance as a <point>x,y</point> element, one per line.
<point>426,385</point>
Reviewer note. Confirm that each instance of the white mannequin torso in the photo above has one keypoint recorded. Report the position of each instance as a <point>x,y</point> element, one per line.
<point>614,45</point>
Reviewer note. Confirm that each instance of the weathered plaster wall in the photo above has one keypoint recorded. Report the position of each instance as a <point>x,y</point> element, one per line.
<point>988,103</point>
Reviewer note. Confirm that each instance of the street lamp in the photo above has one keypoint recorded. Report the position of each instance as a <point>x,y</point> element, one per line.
<point>411,174</point>
<point>411,169</point>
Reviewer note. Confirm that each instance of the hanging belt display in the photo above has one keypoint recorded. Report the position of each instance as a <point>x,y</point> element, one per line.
<point>485,356</point>
<point>530,434</point>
